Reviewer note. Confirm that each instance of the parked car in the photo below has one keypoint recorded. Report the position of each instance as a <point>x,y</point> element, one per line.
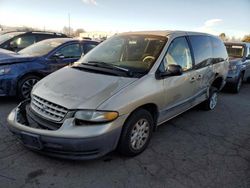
<point>16,41</point>
<point>239,68</point>
<point>119,92</point>
<point>20,71</point>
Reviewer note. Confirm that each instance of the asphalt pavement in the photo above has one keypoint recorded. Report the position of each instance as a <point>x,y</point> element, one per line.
<point>196,149</point>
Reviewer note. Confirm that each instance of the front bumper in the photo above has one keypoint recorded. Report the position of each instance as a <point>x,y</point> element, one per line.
<point>69,141</point>
<point>8,85</point>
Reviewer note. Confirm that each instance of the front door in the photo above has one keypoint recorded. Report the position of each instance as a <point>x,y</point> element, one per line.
<point>179,90</point>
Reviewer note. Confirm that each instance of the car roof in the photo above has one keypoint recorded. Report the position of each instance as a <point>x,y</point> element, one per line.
<point>64,40</point>
<point>34,32</point>
<point>164,33</point>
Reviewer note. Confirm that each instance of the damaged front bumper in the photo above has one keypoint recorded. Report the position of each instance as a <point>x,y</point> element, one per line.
<point>68,141</point>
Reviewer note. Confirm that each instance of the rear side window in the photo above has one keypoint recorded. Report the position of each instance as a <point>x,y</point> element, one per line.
<point>219,50</point>
<point>202,49</point>
<point>46,36</point>
<point>24,41</point>
<point>43,37</point>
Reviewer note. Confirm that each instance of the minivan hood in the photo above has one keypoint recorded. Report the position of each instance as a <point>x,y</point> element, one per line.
<point>9,57</point>
<point>77,89</point>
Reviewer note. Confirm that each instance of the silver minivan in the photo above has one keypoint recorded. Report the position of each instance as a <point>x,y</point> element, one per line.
<point>115,96</point>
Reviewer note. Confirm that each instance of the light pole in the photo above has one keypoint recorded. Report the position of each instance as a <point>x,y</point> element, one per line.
<point>69,23</point>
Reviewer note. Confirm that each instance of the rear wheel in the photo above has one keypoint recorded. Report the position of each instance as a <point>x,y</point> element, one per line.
<point>236,87</point>
<point>136,133</point>
<point>25,86</point>
<point>212,101</point>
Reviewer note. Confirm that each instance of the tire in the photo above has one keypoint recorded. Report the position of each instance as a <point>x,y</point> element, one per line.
<point>248,80</point>
<point>25,86</point>
<point>235,88</point>
<point>212,100</point>
<point>133,128</point>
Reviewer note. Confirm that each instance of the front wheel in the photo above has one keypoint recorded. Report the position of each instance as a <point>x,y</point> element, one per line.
<point>25,86</point>
<point>136,133</point>
<point>212,100</point>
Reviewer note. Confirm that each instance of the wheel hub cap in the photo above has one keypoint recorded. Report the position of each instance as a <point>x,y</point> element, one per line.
<point>139,134</point>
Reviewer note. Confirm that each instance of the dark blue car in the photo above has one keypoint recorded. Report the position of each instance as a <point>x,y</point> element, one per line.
<point>20,71</point>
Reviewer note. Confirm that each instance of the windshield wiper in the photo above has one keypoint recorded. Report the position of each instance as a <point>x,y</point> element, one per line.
<point>106,65</point>
<point>128,72</point>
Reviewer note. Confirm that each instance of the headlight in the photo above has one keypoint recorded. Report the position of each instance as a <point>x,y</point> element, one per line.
<point>4,70</point>
<point>232,67</point>
<point>95,116</point>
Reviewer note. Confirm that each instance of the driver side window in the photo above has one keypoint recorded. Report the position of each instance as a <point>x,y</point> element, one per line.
<point>71,51</point>
<point>178,54</point>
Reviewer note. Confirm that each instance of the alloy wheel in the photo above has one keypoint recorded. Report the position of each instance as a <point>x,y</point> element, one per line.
<point>27,87</point>
<point>213,100</point>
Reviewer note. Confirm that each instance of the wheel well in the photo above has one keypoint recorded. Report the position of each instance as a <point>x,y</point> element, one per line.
<point>27,74</point>
<point>217,83</point>
<point>152,109</point>
<point>243,72</point>
<point>30,74</point>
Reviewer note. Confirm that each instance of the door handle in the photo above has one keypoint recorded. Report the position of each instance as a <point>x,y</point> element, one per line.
<point>199,77</point>
<point>192,79</point>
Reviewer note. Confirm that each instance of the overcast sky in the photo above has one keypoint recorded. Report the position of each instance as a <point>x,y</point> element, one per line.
<point>213,16</point>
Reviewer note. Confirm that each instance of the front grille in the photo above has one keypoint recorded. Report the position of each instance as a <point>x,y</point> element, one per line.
<point>48,109</point>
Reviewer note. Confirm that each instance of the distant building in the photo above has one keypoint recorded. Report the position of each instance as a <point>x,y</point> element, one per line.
<point>97,35</point>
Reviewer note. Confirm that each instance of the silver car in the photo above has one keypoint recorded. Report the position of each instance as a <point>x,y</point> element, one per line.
<point>116,95</point>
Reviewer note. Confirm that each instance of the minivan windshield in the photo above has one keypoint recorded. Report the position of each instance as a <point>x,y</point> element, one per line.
<point>7,36</point>
<point>132,53</point>
<point>236,51</point>
<point>42,48</point>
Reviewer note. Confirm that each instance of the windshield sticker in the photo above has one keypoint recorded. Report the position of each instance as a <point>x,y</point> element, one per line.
<point>238,47</point>
<point>133,42</point>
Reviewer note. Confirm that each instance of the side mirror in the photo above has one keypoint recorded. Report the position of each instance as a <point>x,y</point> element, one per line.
<point>172,70</point>
<point>58,56</point>
<point>248,57</point>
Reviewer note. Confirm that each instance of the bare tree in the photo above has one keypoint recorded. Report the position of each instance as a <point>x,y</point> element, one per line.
<point>78,31</point>
<point>223,37</point>
<point>68,31</point>
<point>246,38</point>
